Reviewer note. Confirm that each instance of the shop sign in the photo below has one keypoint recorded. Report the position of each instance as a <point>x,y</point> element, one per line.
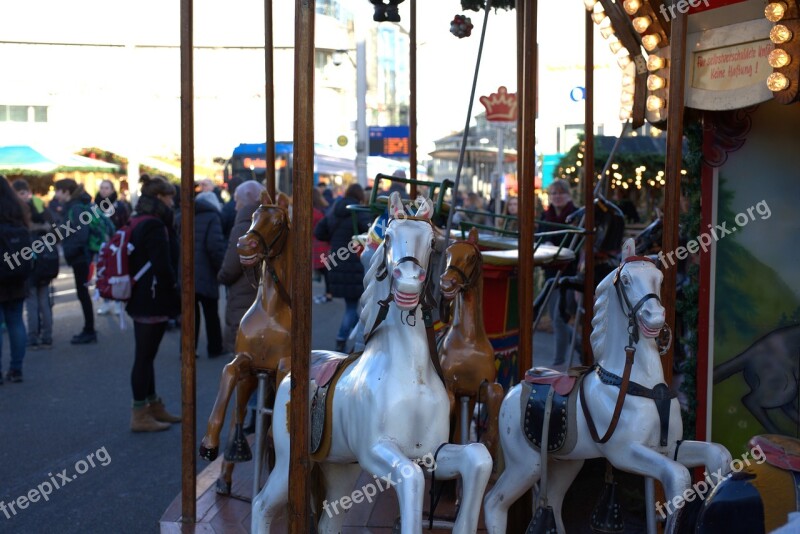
<point>731,67</point>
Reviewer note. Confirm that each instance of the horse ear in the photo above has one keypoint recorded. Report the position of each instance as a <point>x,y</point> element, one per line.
<point>265,200</point>
<point>628,249</point>
<point>425,209</point>
<point>395,205</point>
<point>473,236</point>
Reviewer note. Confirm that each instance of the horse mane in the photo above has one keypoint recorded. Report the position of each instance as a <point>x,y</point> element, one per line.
<point>599,322</point>
<point>370,298</point>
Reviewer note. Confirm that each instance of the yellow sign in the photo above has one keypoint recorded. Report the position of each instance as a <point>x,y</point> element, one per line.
<point>731,67</point>
<point>341,140</point>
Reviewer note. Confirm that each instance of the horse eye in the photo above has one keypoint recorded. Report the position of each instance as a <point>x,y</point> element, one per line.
<point>625,279</point>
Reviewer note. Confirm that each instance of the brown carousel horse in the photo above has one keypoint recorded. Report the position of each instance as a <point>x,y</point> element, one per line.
<point>262,342</point>
<point>465,353</point>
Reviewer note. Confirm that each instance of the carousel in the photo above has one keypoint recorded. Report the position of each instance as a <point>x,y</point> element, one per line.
<point>441,421</point>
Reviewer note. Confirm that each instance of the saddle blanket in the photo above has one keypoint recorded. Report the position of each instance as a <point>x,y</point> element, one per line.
<point>326,368</point>
<point>562,431</point>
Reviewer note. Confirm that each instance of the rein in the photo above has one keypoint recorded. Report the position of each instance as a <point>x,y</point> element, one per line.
<point>630,351</point>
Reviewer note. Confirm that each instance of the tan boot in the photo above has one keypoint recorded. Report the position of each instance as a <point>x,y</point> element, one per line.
<point>143,421</point>
<point>161,414</point>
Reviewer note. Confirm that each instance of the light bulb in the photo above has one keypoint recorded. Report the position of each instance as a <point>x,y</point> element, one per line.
<point>607,32</point>
<point>628,80</point>
<point>589,4</point>
<point>780,34</point>
<point>640,24</point>
<point>631,6</point>
<point>598,7</point>
<point>650,41</point>
<point>655,62</point>
<point>654,102</point>
<point>777,82</point>
<point>779,58</point>
<point>655,82</point>
<point>775,11</point>
<point>623,61</point>
<point>598,16</point>
<point>624,114</point>
<point>626,98</point>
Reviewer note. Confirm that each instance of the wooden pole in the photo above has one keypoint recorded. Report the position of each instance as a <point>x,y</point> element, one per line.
<point>412,99</point>
<point>672,193</point>
<point>527,184</point>
<point>588,193</point>
<point>188,371</point>
<point>269,98</point>
<point>299,466</point>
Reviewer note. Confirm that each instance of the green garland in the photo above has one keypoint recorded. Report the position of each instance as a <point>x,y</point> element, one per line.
<point>688,306</point>
<point>477,5</point>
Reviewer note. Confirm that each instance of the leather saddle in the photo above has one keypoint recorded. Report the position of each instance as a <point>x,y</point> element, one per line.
<point>562,431</point>
<point>325,369</point>
<point>779,451</point>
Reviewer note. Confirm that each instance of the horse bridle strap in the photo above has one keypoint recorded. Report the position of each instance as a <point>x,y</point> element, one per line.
<point>631,311</point>
<point>623,391</point>
<point>270,269</point>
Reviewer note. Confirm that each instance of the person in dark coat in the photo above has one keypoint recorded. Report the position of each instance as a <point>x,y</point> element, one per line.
<point>154,298</point>
<point>76,250</point>
<point>209,251</point>
<point>229,208</point>
<point>240,290</point>
<point>122,208</point>
<point>13,213</point>
<point>346,274</point>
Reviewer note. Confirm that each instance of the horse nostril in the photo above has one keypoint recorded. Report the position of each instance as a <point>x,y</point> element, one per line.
<point>422,277</point>
<point>397,273</point>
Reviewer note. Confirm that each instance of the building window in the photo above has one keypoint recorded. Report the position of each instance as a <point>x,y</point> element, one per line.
<point>23,113</point>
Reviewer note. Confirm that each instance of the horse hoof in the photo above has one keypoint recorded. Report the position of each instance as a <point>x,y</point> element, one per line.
<point>209,454</point>
<point>238,450</point>
<point>222,487</point>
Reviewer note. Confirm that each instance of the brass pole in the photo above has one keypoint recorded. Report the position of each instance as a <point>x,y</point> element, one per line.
<point>188,371</point>
<point>299,466</point>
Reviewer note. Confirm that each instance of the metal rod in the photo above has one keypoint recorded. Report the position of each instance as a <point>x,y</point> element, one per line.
<point>269,99</point>
<point>412,98</point>
<point>464,420</point>
<point>462,150</point>
<point>299,466</point>
<point>588,194</point>
<point>602,182</point>
<point>188,371</point>
<point>650,504</point>
<point>257,455</point>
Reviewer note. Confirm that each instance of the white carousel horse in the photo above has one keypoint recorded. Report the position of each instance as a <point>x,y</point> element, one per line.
<point>389,406</point>
<point>635,443</point>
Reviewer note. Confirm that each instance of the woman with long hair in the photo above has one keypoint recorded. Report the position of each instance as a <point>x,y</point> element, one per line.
<point>14,231</point>
<point>155,297</point>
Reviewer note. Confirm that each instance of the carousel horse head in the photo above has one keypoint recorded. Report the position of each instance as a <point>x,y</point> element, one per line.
<point>636,287</point>
<point>405,253</point>
<point>463,267</point>
<point>267,234</point>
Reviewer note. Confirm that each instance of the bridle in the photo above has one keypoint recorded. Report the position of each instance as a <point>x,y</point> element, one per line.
<point>426,300</point>
<point>271,251</point>
<point>467,281</point>
<point>660,393</point>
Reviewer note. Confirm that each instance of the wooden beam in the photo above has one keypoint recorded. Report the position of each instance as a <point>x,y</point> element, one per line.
<point>588,191</point>
<point>299,466</point>
<point>188,371</point>
<point>672,194</point>
<point>269,99</point>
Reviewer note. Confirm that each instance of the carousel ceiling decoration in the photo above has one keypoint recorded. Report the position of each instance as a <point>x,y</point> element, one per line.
<point>785,57</point>
<point>638,35</point>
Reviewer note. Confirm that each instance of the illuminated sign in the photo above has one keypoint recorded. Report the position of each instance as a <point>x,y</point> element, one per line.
<point>388,141</point>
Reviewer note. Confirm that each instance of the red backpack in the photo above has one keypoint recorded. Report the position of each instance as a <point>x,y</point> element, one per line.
<point>114,281</point>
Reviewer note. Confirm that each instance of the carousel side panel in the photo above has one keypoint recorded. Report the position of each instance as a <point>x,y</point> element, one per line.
<point>755,334</point>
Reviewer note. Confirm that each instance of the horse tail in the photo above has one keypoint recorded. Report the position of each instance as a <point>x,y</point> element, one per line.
<point>729,368</point>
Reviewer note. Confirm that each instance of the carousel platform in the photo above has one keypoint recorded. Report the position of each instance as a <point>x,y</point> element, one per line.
<point>219,514</point>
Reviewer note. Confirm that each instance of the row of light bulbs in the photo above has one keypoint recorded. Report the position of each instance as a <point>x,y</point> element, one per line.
<point>779,34</point>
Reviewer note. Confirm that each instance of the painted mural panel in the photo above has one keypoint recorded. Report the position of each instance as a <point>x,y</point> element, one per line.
<point>756,330</point>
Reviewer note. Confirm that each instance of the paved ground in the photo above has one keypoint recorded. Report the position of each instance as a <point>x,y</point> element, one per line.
<point>74,409</point>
